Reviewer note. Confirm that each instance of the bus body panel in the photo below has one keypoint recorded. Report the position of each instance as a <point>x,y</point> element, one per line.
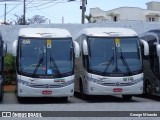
<point>100,85</point>
<point>34,87</point>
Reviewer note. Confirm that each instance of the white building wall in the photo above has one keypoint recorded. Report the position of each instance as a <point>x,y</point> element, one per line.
<point>124,13</point>
<point>153,5</point>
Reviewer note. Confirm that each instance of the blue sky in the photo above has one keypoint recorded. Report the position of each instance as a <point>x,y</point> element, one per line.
<point>70,11</point>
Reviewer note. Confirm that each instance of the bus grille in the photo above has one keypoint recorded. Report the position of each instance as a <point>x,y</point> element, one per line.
<point>48,86</point>
<point>119,84</point>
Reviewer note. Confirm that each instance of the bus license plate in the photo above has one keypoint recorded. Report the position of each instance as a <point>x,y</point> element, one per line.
<point>117,90</point>
<point>46,92</point>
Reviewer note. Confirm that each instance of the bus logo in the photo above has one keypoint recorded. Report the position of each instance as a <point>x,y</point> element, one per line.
<point>117,84</point>
<point>46,86</point>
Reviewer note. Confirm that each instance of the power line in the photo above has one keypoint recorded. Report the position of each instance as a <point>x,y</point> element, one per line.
<point>30,2</point>
<point>48,7</point>
<point>12,9</point>
<point>48,15</point>
<point>44,4</point>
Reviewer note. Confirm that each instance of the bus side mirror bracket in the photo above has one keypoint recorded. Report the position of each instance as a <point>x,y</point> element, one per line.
<point>85,47</point>
<point>158,50</point>
<point>76,49</point>
<point>146,48</point>
<point>14,48</point>
<point>4,49</point>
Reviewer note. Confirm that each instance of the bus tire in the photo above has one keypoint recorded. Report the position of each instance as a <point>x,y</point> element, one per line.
<point>127,97</point>
<point>20,99</point>
<point>2,92</point>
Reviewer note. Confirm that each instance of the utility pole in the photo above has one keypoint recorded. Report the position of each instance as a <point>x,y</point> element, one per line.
<point>83,7</point>
<point>24,12</point>
<point>62,20</point>
<point>5,7</point>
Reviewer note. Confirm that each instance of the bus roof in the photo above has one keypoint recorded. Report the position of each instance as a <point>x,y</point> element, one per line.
<point>44,32</point>
<point>108,32</point>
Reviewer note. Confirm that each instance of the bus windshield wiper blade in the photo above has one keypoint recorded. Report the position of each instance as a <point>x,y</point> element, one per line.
<point>37,66</point>
<point>125,62</point>
<point>55,65</point>
<point>109,63</point>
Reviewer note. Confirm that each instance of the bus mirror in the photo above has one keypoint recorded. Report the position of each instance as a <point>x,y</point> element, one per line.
<point>76,49</point>
<point>158,50</point>
<point>4,49</point>
<point>85,47</point>
<point>14,47</point>
<point>146,47</point>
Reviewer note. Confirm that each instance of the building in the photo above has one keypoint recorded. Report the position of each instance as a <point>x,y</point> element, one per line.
<point>151,14</point>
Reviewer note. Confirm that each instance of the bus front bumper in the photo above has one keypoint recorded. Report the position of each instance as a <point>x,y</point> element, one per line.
<point>96,89</point>
<point>25,91</point>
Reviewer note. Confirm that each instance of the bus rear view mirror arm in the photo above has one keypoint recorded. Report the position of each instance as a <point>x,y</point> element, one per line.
<point>85,47</point>
<point>146,47</point>
<point>76,50</point>
<point>4,49</point>
<point>14,47</point>
<point>158,50</point>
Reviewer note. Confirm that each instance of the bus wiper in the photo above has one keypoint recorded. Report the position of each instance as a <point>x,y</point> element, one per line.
<point>55,65</point>
<point>108,64</point>
<point>38,65</point>
<point>125,62</point>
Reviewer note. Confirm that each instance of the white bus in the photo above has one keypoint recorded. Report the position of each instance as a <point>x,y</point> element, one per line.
<point>110,62</point>
<point>3,50</point>
<point>45,63</point>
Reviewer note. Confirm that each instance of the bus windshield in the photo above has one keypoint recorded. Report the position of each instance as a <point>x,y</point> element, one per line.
<point>114,55</point>
<point>49,57</point>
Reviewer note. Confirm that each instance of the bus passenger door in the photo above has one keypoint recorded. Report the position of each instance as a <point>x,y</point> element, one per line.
<point>154,63</point>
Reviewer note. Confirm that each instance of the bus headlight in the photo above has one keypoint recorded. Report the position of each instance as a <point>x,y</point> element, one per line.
<point>70,82</point>
<point>24,83</point>
<point>138,80</point>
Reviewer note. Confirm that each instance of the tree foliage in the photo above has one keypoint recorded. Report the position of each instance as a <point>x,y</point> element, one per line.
<point>88,17</point>
<point>37,19</point>
<point>19,20</point>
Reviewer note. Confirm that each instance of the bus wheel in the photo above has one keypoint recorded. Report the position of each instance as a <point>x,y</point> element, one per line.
<point>20,99</point>
<point>148,87</point>
<point>127,97</point>
<point>2,92</point>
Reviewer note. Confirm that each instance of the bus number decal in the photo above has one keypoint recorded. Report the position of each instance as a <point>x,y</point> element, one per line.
<point>128,79</point>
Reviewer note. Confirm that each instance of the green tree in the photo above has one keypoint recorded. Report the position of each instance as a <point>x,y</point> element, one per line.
<point>9,68</point>
<point>88,17</point>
